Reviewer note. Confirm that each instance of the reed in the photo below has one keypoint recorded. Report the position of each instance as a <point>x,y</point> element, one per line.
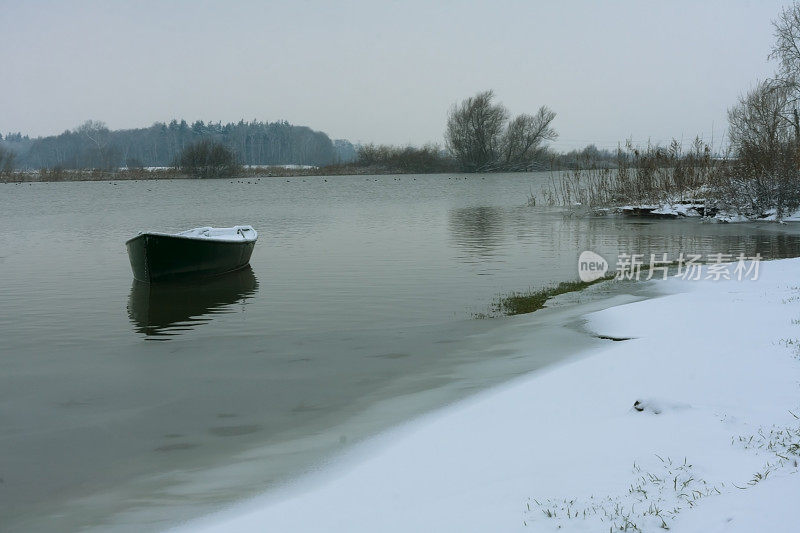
<point>649,175</point>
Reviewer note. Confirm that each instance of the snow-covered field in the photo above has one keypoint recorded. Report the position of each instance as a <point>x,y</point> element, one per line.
<point>711,445</point>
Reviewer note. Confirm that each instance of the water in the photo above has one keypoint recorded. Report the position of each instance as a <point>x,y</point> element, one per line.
<point>127,407</point>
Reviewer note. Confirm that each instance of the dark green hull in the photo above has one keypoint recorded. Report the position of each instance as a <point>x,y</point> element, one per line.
<point>157,257</point>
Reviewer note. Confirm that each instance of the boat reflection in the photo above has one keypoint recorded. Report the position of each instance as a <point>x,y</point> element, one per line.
<point>162,310</point>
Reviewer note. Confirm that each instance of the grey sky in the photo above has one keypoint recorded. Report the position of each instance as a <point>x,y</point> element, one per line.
<point>383,71</point>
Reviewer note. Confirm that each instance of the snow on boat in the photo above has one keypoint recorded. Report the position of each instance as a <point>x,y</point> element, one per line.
<point>198,252</point>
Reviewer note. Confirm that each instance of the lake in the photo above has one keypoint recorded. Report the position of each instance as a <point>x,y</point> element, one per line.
<point>128,407</point>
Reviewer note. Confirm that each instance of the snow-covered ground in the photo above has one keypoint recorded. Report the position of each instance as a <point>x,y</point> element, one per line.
<point>711,445</point>
<point>666,209</point>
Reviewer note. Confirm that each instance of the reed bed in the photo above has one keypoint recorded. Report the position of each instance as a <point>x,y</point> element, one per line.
<point>650,175</point>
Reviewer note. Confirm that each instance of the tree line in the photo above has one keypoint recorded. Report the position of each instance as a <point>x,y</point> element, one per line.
<point>481,136</point>
<point>92,145</point>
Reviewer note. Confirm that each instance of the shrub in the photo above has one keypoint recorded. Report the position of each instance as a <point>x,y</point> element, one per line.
<point>208,159</point>
<point>648,175</point>
<point>427,159</point>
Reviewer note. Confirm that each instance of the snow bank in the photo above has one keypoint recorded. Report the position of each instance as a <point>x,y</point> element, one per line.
<point>711,445</point>
<point>697,208</point>
<point>665,210</point>
<point>772,215</point>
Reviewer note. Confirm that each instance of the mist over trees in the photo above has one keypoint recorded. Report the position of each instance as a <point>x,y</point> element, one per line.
<point>93,146</point>
<point>481,136</point>
<point>6,160</point>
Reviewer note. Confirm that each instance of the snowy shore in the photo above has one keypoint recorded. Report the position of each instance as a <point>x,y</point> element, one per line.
<point>698,208</point>
<point>712,445</point>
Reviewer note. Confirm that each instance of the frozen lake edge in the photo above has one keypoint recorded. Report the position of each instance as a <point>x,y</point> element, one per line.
<point>567,438</point>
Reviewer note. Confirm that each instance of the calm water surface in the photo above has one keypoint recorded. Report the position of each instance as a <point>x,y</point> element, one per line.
<point>120,402</point>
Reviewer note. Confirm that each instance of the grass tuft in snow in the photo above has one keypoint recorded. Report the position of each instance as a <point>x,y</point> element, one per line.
<point>519,303</point>
<point>652,501</point>
<point>782,441</point>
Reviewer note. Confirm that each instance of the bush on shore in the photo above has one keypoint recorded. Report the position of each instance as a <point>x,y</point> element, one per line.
<point>208,159</point>
<point>428,159</point>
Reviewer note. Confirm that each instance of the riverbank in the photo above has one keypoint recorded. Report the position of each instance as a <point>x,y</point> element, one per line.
<point>170,173</point>
<point>145,174</point>
<point>691,424</point>
<point>699,208</point>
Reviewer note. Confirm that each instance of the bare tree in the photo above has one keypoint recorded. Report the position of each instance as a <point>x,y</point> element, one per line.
<point>524,137</point>
<point>481,138</point>
<point>787,51</point>
<point>473,132</point>
<point>94,130</point>
<point>757,120</point>
<point>765,172</point>
<point>101,152</point>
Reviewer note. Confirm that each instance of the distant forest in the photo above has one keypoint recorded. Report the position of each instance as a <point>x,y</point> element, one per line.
<point>93,146</point>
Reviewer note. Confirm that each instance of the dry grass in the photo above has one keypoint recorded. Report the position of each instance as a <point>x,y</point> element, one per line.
<point>649,175</point>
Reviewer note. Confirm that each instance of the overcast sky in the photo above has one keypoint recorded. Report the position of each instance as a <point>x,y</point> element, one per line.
<point>383,71</point>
